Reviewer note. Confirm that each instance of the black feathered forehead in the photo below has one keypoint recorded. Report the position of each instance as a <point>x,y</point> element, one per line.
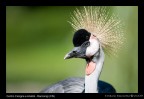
<point>80,37</point>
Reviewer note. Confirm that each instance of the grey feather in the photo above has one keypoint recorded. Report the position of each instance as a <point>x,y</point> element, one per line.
<point>76,85</point>
<point>70,85</point>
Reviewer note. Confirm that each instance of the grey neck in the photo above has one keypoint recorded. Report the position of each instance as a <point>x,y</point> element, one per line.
<point>91,81</point>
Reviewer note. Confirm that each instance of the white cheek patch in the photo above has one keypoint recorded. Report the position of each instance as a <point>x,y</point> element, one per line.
<point>93,48</point>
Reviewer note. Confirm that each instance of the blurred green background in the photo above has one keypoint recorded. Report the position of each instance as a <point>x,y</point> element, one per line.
<point>38,37</point>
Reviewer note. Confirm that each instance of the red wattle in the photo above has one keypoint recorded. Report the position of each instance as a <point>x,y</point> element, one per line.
<point>90,67</point>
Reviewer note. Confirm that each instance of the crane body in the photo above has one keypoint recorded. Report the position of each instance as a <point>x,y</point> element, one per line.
<point>94,32</point>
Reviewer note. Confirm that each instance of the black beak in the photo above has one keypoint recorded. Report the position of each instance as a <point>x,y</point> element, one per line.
<point>77,52</point>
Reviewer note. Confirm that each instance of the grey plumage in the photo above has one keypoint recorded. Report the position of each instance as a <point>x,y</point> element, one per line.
<point>95,31</point>
<point>76,85</point>
<point>70,85</point>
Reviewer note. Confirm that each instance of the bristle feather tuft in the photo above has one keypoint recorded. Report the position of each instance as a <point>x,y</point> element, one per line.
<point>99,21</point>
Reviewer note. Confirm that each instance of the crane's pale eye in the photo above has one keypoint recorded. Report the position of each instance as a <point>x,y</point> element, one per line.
<point>86,44</point>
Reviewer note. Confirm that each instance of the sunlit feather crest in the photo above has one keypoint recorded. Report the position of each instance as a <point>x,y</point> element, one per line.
<point>105,26</point>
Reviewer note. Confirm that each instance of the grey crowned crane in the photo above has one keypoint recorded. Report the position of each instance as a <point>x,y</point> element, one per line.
<point>96,31</point>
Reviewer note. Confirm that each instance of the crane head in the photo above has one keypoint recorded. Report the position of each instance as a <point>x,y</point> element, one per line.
<point>85,45</point>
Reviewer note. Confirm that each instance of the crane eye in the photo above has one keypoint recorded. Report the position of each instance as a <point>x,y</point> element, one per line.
<point>86,44</point>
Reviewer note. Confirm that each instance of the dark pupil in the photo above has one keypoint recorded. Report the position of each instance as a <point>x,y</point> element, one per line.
<point>85,44</point>
<point>80,37</point>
